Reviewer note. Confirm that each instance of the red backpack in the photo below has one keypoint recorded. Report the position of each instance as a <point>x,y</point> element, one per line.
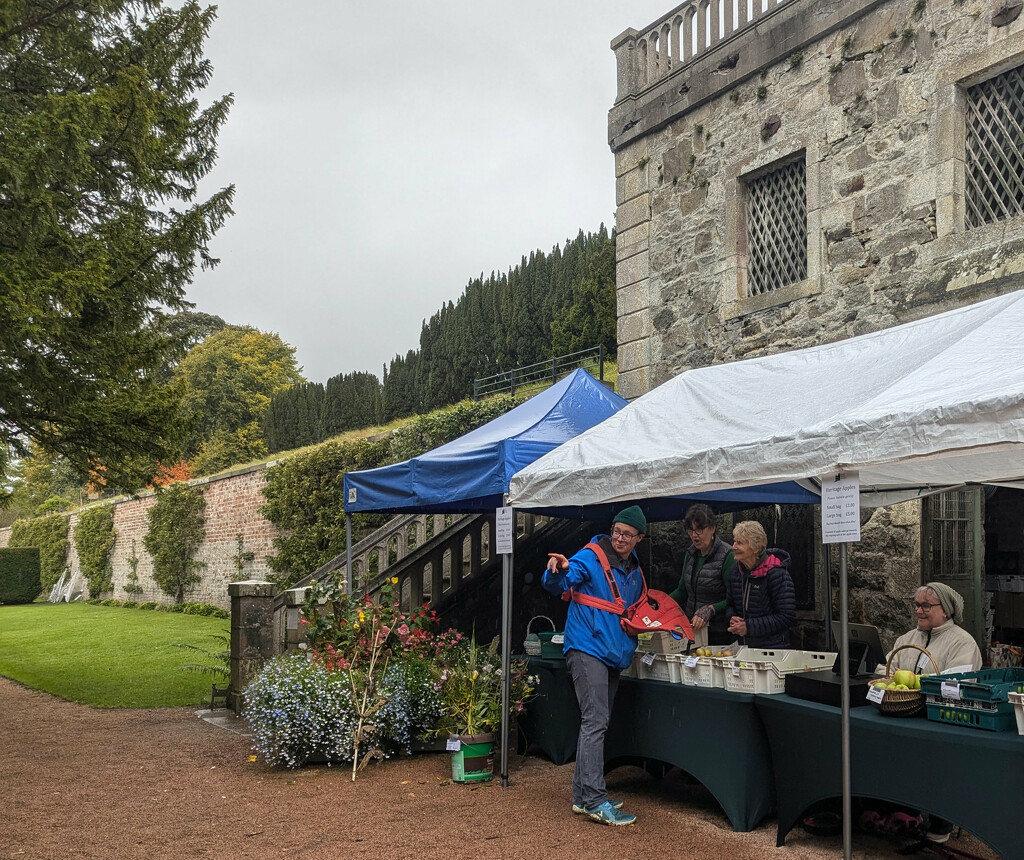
<point>653,611</point>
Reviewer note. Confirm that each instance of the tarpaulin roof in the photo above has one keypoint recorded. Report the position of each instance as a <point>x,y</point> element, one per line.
<point>920,407</point>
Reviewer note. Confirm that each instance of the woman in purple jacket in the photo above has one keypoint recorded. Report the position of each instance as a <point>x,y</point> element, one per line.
<point>761,602</point>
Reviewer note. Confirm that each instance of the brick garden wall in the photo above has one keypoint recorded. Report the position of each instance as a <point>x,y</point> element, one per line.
<point>233,505</point>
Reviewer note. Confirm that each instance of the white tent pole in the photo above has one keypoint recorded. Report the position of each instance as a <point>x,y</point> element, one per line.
<point>844,662</point>
<point>506,651</point>
<point>348,553</point>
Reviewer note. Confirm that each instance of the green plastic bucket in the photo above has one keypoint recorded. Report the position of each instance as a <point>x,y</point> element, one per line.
<point>474,760</point>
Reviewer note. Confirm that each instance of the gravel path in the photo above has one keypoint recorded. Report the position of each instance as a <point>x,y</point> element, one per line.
<point>163,784</point>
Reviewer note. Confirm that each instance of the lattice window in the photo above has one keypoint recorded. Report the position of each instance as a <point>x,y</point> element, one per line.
<point>777,229</point>
<point>953,535</point>
<point>995,149</point>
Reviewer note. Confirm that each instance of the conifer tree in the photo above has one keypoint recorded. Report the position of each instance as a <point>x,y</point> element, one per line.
<point>102,146</point>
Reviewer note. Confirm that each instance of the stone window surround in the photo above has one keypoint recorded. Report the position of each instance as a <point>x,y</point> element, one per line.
<point>950,142</point>
<point>734,299</point>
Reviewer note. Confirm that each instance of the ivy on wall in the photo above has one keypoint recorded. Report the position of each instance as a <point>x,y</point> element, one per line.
<point>177,526</point>
<point>305,497</point>
<point>50,534</point>
<point>94,538</point>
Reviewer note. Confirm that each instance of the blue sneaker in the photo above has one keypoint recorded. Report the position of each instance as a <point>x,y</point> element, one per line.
<point>579,810</point>
<point>608,814</point>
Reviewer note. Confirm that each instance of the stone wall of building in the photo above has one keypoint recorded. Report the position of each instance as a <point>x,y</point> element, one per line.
<point>871,95</point>
<point>235,527</point>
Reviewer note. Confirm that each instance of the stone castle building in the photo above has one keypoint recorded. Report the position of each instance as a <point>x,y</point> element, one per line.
<point>792,172</point>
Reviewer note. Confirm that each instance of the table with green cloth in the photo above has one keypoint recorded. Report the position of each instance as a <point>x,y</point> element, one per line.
<point>972,777</point>
<point>714,735</point>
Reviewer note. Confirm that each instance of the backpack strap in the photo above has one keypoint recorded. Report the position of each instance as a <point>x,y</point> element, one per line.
<point>617,605</point>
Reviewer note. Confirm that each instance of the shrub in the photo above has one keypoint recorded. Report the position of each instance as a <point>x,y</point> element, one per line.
<point>130,604</point>
<point>50,534</point>
<point>19,575</point>
<point>298,711</point>
<point>149,604</point>
<point>94,537</point>
<point>205,609</point>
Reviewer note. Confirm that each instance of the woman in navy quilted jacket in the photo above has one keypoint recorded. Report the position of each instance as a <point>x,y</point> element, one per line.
<point>761,603</point>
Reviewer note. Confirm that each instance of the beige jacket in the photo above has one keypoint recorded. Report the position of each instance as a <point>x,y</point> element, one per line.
<point>952,647</point>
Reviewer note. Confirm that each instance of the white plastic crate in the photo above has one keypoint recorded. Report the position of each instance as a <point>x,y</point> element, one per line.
<point>1018,709</point>
<point>660,642</point>
<point>663,667</point>
<point>705,671</point>
<point>763,671</point>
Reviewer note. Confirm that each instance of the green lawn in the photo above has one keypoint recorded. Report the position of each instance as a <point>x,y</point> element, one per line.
<point>109,657</point>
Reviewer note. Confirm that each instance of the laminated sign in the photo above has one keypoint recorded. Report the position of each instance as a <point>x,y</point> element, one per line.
<point>840,507</point>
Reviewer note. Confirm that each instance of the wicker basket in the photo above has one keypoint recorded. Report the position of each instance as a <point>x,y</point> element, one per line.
<point>901,703</point>
<point>532,643</point>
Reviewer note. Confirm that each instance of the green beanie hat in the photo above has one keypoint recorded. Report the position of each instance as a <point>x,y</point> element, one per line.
<point>632,516</point>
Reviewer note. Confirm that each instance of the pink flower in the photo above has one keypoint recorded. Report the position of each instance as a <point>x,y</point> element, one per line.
<point>403,630</point>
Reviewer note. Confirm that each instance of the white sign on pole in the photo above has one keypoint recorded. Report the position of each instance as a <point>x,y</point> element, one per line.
<point>504,530</point>
<point>840,507</point>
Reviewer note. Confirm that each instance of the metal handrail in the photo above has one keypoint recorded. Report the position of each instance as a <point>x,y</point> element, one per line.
<point>541,373</point>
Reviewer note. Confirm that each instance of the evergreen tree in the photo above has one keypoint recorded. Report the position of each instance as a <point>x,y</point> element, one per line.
<point>102,140</point>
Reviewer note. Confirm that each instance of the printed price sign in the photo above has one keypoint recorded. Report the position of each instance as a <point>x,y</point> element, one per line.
<point>647,659</point>
<point>840,507</point>
<point>691,661</point>
<point>875,694</point>
<point>503,530</point>
<point>950,690</point>
<point>453,744</point>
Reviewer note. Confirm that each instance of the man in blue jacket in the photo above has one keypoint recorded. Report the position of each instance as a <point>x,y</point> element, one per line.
<point>596,647</point>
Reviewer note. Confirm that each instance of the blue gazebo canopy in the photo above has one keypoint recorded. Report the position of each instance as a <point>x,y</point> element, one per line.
<point>471,474</point>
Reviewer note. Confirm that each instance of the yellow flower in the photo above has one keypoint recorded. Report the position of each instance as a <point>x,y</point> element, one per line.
<point>362,617</point>
<point>394,580</point>
<point>251,758</point>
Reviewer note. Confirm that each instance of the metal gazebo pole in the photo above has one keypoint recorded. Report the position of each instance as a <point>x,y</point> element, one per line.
<point>506,650</point>
<point>844,648</point>
<point>348,553</point>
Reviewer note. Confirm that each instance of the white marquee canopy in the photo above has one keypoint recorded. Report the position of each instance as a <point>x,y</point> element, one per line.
<point>921,407</point>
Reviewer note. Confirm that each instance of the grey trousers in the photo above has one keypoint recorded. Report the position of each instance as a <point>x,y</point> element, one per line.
<point>595,686</point>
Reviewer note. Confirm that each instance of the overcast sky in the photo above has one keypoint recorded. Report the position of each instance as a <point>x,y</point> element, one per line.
<point>384,154</point>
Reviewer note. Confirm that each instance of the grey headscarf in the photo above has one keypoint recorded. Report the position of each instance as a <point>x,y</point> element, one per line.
<point>952,602</point>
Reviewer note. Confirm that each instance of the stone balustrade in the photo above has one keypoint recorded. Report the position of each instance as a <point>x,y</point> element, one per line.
<point>646,57</point>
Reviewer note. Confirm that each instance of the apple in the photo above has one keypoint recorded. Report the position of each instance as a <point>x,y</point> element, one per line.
<point>904,677</point>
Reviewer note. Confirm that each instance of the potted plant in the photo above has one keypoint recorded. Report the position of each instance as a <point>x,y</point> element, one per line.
<point>469,682</point>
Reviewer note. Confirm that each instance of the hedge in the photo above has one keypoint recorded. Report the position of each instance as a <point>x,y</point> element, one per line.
<point>19,574</point>
<point>50,535</point>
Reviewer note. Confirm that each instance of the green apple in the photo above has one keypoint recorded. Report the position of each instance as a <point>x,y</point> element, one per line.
<point>904,677</point>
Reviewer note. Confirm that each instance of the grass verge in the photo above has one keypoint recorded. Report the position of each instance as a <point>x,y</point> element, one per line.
<point>108,657</point>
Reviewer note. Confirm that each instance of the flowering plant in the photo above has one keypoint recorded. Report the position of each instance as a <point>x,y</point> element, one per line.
<point>298,711</point>
<point>357,638</point>
<point>469,681</point>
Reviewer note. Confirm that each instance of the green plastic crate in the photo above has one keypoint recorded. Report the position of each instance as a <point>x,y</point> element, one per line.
<point>985,686</point>
<point>999,719</point>
<point>551,645</point>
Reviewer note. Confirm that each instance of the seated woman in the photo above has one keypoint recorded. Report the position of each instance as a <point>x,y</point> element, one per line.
<point>761,602</point>
<point>938,610</point>
<point>704,578</point>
